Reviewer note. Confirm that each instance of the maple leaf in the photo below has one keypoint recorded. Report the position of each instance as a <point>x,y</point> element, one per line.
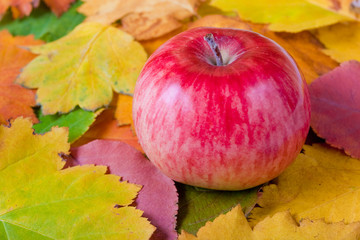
<point>321,183</point>
<point>335,107</point>
<point>123,112</point>
<point>43,24</point>
<point>341,41</point>
<point>78,122</point>
<point>143,19</point>
<point>83,68</point>
<point>41,201</point>
<point>303,47</point>
<point>158,197</point>
<point>281,226</point>
<point>198,206</point>
<point>283,15</point>
<point>15,100</point>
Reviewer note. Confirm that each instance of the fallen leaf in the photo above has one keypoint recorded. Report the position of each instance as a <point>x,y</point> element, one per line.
<point>343,7</point>
<point>335,107</point>
<point>21,8</point>
<point>58,6</point>
<point>341,41</point>
<point>77,121</point>
<point>198,206</point>
<point>43,24</point>
<point>158,197</point>
<point>322,183</point>
<point>281,226</point>
<point>40,200</point>
<point>232,225</point>
<point>303,47</point>
<point>144,19</point>
<point>283,15</point>
<point>207,9</point>
<point>106,127</point>
<point>15,100</point>
<point>151,45</point>
<point>83,68</point>
<point>123,110</point>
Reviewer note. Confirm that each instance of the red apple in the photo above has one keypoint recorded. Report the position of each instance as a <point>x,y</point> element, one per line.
<point>230,125</point>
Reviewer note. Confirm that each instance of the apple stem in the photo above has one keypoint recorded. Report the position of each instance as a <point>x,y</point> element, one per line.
<point>209,38</point>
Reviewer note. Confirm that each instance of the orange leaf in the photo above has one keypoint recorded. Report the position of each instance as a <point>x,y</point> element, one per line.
<point>58,6</point>
<point>15,100</point>
<point>303,46</point>
<point>106,127</point>
<point>151,45</point>
<point>19,8</point>
<point>124,110</point>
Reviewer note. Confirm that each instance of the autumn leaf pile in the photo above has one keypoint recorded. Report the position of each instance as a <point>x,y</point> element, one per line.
<point>71,166</point>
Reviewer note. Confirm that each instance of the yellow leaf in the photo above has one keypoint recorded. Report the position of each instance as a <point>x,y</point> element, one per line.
<point>321,183</point>
<point>282,15</point>
<point>281,226</point>
<point>144,19</point>
<point>33,147</point>
<point>343,7</point>
<point>83,68</point>
<point>123,113</point>
<point>38,200</point>
<point>342,41</point>
<point>232,225</point>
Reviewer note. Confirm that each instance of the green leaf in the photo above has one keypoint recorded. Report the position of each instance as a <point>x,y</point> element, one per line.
<point>43,23</point>
<point>198,206</point>
<point>78,121</point>
<point>38,200</point>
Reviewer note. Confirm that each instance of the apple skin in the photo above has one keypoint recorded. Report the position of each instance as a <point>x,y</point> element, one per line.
<point>228,127</point>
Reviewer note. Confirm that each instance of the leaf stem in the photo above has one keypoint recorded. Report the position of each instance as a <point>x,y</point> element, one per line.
<point>209,38</point>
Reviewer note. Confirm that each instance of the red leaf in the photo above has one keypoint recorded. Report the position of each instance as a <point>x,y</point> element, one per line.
<point>158,197</point>
<point>335,102</point>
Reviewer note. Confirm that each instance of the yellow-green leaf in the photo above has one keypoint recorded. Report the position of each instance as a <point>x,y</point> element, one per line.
<point>342,41</point>
<point>282,15</point>
<point>83,68</point>
<point>322,183</point>
<point>40,201</point>
<point>282,226</point>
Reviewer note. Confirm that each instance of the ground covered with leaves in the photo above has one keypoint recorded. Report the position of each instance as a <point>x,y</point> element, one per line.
<point>67,74</point>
